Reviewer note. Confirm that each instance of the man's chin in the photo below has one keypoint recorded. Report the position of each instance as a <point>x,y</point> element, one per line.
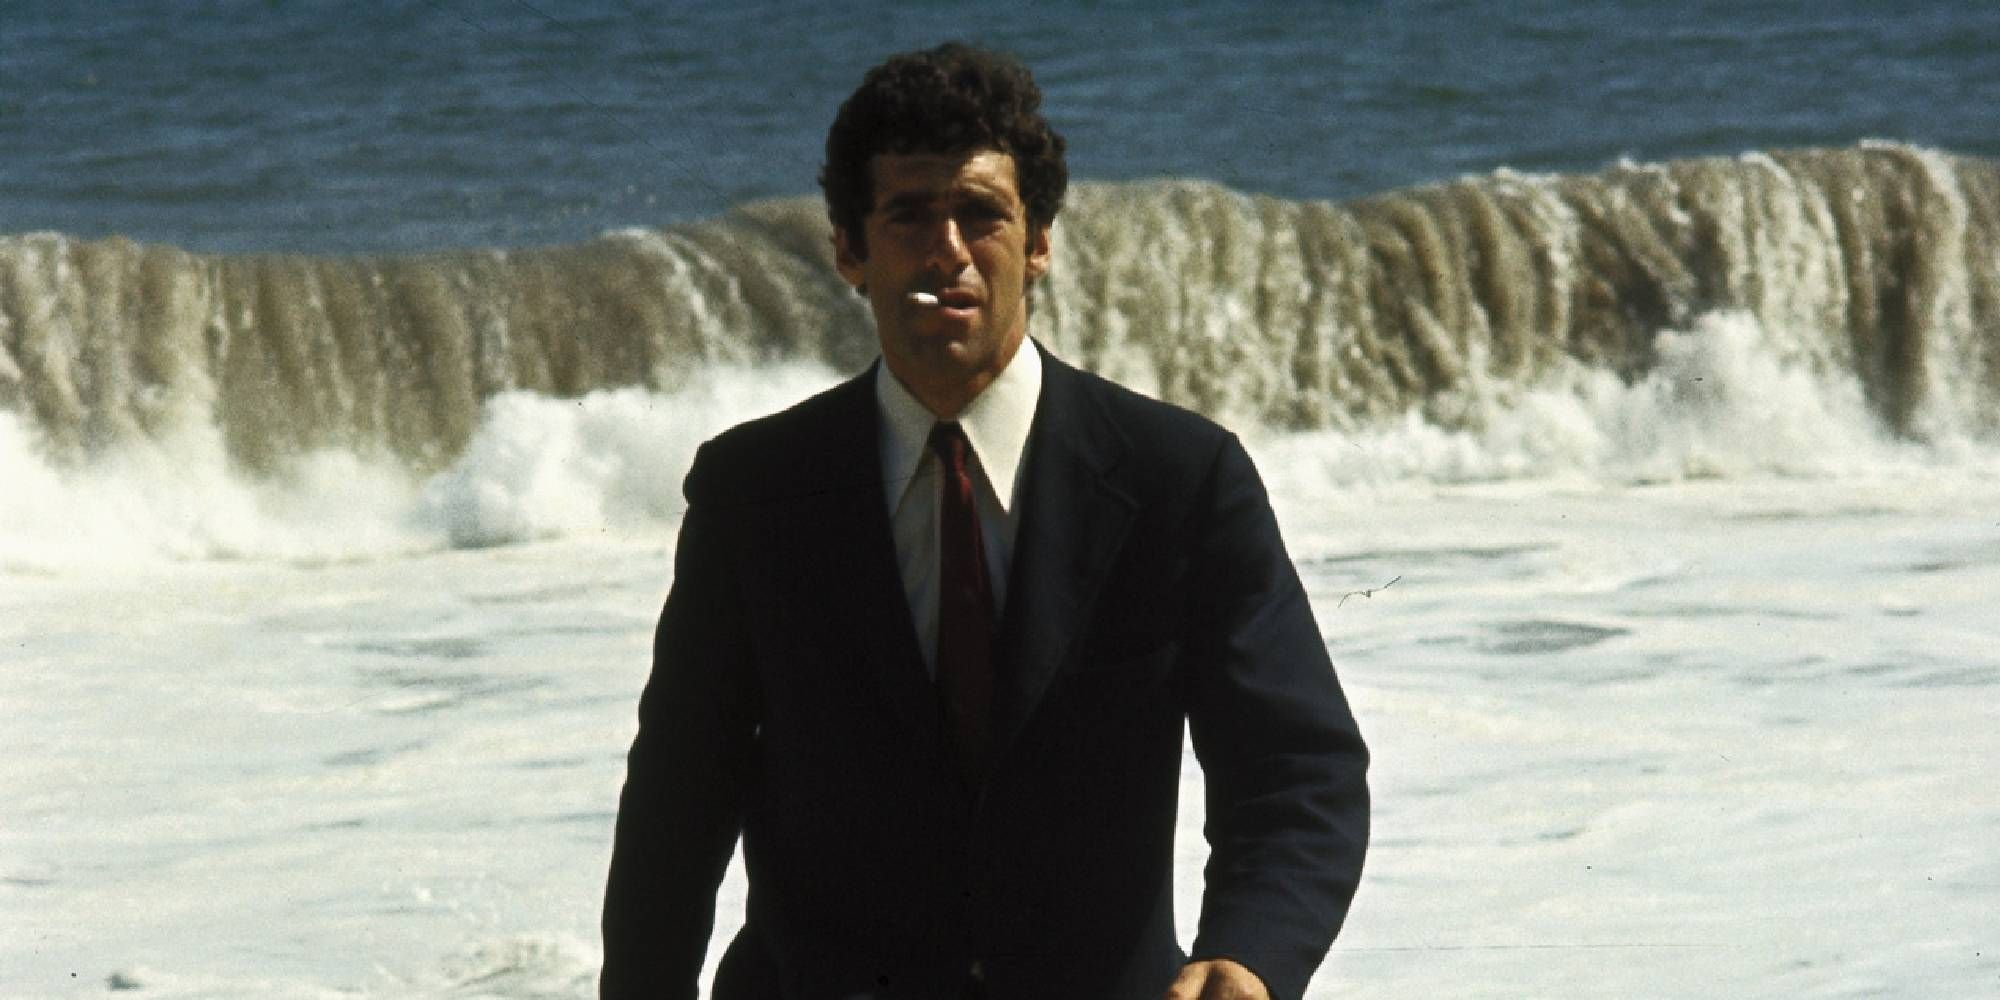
<point>951,349</point>
<point>941,362</point>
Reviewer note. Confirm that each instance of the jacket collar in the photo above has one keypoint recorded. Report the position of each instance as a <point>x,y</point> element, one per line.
<point>997,422</point>
<point>1075,511</point>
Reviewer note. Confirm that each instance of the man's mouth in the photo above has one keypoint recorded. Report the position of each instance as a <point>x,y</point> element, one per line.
<point>959,302</point>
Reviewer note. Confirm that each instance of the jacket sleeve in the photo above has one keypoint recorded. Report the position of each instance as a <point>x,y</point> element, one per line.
<point>687,773</point>
<point>1282,760</point>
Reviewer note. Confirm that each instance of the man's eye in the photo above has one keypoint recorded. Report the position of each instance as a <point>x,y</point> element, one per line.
<point>981,218</point>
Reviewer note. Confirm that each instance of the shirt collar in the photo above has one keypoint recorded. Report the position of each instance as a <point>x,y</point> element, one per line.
<point>997,422</point>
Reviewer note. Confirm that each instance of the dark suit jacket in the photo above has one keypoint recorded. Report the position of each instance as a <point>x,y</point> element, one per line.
<point>789,702</point>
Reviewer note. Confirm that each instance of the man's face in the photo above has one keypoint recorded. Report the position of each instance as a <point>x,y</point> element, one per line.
<point>954,226</point>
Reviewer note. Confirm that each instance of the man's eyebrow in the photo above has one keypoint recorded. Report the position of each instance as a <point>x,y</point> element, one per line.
<point>910,199</point>
<point>976,193</point>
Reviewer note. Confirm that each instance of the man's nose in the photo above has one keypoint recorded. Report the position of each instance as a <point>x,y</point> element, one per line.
<point>947,247</point>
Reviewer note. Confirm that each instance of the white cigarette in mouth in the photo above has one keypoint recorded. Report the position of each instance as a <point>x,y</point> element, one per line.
<point>923,298</point>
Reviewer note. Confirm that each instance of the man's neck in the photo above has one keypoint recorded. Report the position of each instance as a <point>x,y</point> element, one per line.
<point>947,399</point>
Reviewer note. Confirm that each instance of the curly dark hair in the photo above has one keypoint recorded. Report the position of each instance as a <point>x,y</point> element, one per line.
<point>951,99</point>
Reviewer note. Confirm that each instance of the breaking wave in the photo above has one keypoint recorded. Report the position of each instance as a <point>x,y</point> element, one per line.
<point>1801,312</point>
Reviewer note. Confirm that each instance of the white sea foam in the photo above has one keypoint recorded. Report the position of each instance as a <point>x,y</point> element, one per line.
<point>537,468</point>
<point>1671,656</point>
<point>608,462</point>
<point>1681,740</point>
<point>1723,400</point>
<point>176,497</point>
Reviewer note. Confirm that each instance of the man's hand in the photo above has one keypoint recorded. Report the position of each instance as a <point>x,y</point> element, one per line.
<point>1217,979</point>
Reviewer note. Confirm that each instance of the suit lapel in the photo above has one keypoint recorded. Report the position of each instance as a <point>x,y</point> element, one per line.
<point>1074,517</point>
<point>850,542</point>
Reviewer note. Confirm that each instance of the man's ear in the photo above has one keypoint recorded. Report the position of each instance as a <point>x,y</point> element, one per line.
<point>847,262</point>
<point>1040,254</point>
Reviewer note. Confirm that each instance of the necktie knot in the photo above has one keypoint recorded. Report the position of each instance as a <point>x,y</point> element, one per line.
<point>949,444</point>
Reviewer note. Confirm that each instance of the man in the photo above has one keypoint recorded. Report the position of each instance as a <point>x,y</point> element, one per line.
<point>934,634</point>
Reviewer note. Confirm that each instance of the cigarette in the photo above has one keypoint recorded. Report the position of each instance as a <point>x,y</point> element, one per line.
<point>923,298</point>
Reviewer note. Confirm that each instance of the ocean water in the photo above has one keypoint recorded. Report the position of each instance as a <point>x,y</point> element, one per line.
<point>1624,376</point>
<point>316,127</point>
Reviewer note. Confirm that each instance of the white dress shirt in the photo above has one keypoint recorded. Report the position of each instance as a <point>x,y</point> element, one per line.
<point>996,423</point>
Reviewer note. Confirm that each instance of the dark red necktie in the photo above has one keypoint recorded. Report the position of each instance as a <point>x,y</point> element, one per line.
<point>965,605</point>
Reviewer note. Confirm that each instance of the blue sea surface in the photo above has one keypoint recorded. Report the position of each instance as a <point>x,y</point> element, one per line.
<point>319,127</point>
